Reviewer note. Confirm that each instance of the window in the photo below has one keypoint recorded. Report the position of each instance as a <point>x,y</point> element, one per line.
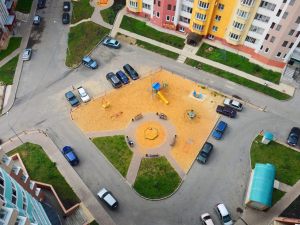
<point>174,7</point>
<point>292,2</point>
<point>267,49</point>
<point>298,20</point>
<point>234,36</point>
<point>278,54</point>
<point>215,28</point>
<point>284,1</point>
<point>272,39</point>
<point>279,12</point>
<point>278,27</point>
<point>133,4</point>
<point>181,29</point>
<point>291,45</point>
<point>158,3</point>
<point>167,18</point>
<point>218,18</point>
<point>267,5</point>
<point>267,36</point>
<point>247,2</point>
<point>284,44</point>
<point>285,14</point>
<point>186,9</point>
<point>272,25</point>
<point>211,37</point>
<point>262,18</point>
<point>242,14</point>
<point>298,33</point>
<point>221,6</point>
<point>256,29</point>
<point>203,5</point>
<point>238,25</point>
<point>157,14</point>
<point>146,6</point>
<point>184,19</point>
<point>291,32</point>
<point>250,39</point>
<point>173,18</point>
<point>154,2</point>
<point>200,16</point>
<point>284,56</point>
<point>261,47</point>
<point>169,7</point>
<point>14,194</point>
<point>198,27</point>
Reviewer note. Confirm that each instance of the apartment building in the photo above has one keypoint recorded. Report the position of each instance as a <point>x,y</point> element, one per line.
<point>19,196</point>
<point>265,31</point>
<point>7,20</point>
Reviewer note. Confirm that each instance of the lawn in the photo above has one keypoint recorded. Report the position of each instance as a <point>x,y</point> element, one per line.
<point>157,49</point>
<point>41,168</point>
<point>156,178</point>
<point>82,39</point>
<point>238,62</point>
<point>94,223</point>
<point>277,195</point>
<point>142,29</point>
<point>285,160</point>
<point>237,79</point>
<point>116,151</point>
<point>14,43</point>
<point>110,13</point>
<point>24,6</point>
<point>81,10</point>
<point>7,71</point>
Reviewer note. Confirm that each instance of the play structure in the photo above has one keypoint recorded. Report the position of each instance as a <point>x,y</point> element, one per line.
<point>191,114</point>
<point>196,95</point>
<point>156,88</point>
<point>102,2</point>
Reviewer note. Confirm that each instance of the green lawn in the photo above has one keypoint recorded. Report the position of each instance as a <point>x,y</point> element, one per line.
<point>24,6</point>
<point>285,160</point>
<point>277,195</point>
<point>14,43</point>
<point>156,49</point>
<point>237,79</point>
<point>41,168</point>
<point>116,151</point>
<point>7,71</point>
<point>142,29</point>
<point>238,62</point>
<point>156,178</point>
<point>82,39</point>
<point>94,223</point>
<point>81,10</point>
<point>110,13</point>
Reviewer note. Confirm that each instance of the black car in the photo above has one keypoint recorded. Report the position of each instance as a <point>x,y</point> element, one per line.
<point>114,80</point>
<point>72,98</point>
<point>131,72</point>
<point>293,136</point>
<point>122,77</point>
<point>67,6</point>
<point>205,152</point>
<point>65,18</point>
<point>41,4</point>
<point>226,111</point>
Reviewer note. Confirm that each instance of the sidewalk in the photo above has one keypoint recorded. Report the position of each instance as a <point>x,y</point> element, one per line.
<point>9,57</point>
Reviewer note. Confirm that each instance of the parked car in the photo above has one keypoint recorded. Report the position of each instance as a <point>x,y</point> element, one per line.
<point>219,130</point>
<point>41,4</point>
<point>131,72</point>
<point>110,42</point>
<point>36,20</point>
<point>70,155</point>
<point>223,214</point>
<point>205,152</point>
<point>66,6</point>
<point>83,94</point>
<point>114,80</point>
<point>233,104</point>
<point>108,198</point>
<point>27,54</point>
<point>72,98</point>
<point>206,219</point>
<point>226,111</point>
<point>122,77</point>
<point>293,136</point>
<point>65,18</point>
<point>89,62</point>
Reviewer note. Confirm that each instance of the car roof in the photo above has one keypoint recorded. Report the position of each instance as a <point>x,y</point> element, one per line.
<point>222,209</point>
<point>102,192</point>
<point>87,58</point>
<point>109,199</point>
<point>221,124</point>
<point>207,147</point>
<point>295,129</point>
<point>69,94</point>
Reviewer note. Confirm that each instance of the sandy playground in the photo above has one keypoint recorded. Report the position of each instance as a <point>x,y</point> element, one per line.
<point>137,97</point>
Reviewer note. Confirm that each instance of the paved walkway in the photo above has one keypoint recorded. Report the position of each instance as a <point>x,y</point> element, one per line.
<point>73,179</point>
<point>9,57</point>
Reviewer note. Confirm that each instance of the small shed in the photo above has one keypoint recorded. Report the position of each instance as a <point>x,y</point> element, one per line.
<point>260,189</point>
<point>268,136</point>
<point>193,39</point>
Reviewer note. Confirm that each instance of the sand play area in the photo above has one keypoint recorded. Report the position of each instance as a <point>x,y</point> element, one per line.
<point>115,110</point>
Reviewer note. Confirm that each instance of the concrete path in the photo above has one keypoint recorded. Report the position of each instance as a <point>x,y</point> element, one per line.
<point>282,186</point>
<point>96,16</point>
<point>117,22</point>
<point>79,22</point>
<point>9,57</point>
<point>73,179</point>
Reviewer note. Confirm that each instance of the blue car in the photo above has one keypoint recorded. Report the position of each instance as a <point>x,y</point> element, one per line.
<point>219,130</point>
<point>89,62</point>
<point>122,77</point>
<point>72,98</point>
<point>110,42</point>
<point>70,155</point>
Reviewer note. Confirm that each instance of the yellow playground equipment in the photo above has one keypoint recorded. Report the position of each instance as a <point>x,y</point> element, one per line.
<point>156,87</point>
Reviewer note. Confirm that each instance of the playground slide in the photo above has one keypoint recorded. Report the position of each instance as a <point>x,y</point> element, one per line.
<point>162,97</point>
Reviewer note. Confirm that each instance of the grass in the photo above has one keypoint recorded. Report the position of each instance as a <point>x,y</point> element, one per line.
<point>110,13</point>
<point>14,43</point>
<point>156,49</point>
<point>277,195</point>
<point>237,79</point>
<point>142,29</point>
<point>156,178</point>
<point>238,62</point>
<point>285,160</point>
<point>24,6</point>
<point>94,223</point>
<point>116,151</point>
<point>82,39</point>
<point>7,71</point>
<point>81,10</point>
<point>41,168</point>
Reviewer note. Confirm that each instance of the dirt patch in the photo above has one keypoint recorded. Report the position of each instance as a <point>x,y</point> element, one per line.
<point>127,39</point>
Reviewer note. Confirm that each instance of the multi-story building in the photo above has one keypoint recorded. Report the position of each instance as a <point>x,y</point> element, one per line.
<point>7,19</point>
<point>265,31</point>
<point>19,196</point>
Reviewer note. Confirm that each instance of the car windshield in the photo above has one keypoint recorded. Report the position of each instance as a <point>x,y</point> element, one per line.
<point>226,218</point>
<point>204,154</point>
<point>90,62</point>
<point>206,217</point>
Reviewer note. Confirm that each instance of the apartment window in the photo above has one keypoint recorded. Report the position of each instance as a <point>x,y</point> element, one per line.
<point>261,47</point>
<point>278,54</point>
<point>267,50</point>
<point>291,45</point>
<point>184,19</point>
<point>250,39</point>
<point>272,39</point>
<point>278,27</point>
<point>167,18</point>
<point>3,215</point>
<point>218,18</point>
<point>186,9</point>
<point>272,25</point>
<point>169,7</point>
<point>298,33</point>
<point>221,6</point>
<point>284,1</point>
<point>279,12</point>
<point>267,5</point>
<point>215,28</point>
<point>292,2</point>
<point>211,37</point>
<point>200,16</point>
<point>133,4</point>
<point>256,29</point>
<point>284,56</point>
<point>298,20</point>
<point>284,44</point>
<point>173,18</point>
<point>267,36</point>
<point>181,29</point>
<point>203,5</point>
<point>243,14</point>
<point>234,36</point>
<point>174,7</point>
<point>262,18</point>
<point>285,14</point>
<point>14,194</point>
<point>146,6</point>
<point>157,14</point>
<point>198,27</point>
<point>158,3</point>
<point>247,2</point>
<point>238,25</point>
<point>291,32</point>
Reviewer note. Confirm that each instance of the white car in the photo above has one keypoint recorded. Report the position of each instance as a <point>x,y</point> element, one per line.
<point>233,104</point>
<point>36,20</point>
<point>108,198</point>
<point>27,54</point>
<point>223,214</point>
<point>83,94</point>
<point>206,219</point>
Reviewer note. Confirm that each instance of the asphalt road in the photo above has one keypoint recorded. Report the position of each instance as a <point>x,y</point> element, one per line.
<point>40,104</point>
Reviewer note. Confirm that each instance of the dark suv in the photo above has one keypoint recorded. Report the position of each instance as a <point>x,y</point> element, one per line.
<point>205,152</point>
<point>131,72</point>
<point>226,111</point>
<point>41,4</point>
<point>293,136</point>
<point>114,80</point>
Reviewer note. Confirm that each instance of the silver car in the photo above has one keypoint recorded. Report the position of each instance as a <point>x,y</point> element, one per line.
<point>233,104</point>
<point>27,54</point>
